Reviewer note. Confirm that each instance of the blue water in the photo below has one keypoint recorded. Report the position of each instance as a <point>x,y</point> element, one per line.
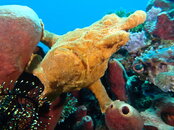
<point>61,16</point>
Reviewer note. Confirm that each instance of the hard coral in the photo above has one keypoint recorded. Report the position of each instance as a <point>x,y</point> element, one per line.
<point>79,58</point>
<point>20,31</point>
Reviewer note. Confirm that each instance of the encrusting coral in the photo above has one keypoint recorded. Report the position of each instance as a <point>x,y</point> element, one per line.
<point>79,58</point>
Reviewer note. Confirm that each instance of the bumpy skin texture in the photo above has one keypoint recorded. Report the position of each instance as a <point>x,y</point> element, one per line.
<point>20,31</point>
<point>121,116</point>
<point>79,58</point>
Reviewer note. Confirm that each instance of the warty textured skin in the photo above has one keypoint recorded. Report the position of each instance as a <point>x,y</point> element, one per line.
<point>79,58</point>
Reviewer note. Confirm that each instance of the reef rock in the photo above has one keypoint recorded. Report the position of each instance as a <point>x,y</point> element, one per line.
<point>20,31</point>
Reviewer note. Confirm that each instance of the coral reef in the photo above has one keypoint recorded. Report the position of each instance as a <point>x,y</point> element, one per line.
<point>157,67</point>
<point>150,68</point>
<point>88,71</point>
<point>161,24</point>
<point>83,48</point>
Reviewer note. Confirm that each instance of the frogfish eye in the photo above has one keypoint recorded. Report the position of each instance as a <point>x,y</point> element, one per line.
<point>138,68</point>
